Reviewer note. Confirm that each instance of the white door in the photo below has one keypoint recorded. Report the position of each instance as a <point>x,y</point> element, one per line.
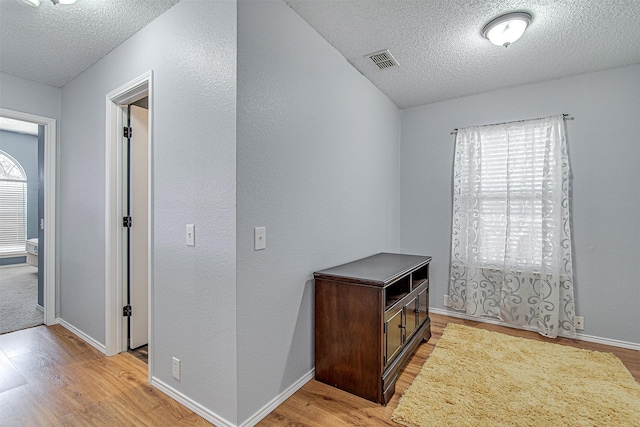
<point>139,237</point>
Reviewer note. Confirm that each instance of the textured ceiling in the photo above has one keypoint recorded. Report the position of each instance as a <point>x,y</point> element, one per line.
<point>53,44</point>
<point>442,54</point>
<point>438,44</point>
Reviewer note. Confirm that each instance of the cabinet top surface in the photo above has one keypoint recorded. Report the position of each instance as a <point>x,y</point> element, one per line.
<point>380,269</point>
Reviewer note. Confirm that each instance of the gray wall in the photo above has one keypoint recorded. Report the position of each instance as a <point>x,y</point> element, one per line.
<point>13,261</point>
<point>24,148</point>
<point>192,50</point>
<point>604,150</point>
<point>30,97</point>
<point>318,165</point>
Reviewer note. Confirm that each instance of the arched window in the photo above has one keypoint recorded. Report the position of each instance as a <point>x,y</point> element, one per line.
<point>13,206</point>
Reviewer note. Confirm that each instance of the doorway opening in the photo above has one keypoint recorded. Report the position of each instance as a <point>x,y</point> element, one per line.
<point>21,305</point>
<point>28,176</point>
<point>129,217</point>
<point>136,212</point>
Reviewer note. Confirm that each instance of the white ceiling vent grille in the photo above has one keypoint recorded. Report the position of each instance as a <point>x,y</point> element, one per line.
<point>383,59</point>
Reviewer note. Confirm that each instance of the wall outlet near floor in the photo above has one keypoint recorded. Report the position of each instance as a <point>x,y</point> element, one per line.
<point>446,301</point>
<point>578,322</point>
<point>175,368</point>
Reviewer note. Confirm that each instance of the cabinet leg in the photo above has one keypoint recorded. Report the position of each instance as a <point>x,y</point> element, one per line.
<point>427,336</point>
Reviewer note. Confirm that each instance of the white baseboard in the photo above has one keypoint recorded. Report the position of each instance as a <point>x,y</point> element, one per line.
<point>579,336</point>
<point>269,407</point>
<point>217,420</point>
<point>86,338</point>
<point>608,341</point>
<point>205,413</point>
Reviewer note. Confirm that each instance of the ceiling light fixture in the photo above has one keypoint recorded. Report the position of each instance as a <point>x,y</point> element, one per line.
<point>36,3</point>
<point>31,3</point>
<point>505,29</point>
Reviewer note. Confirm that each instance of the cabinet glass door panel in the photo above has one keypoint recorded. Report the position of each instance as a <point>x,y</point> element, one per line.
<point>411,317</point>
<point>423,305</point>
<point>394,334</point>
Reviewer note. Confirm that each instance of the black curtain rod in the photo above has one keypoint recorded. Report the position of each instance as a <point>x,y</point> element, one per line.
<point>564,116</point>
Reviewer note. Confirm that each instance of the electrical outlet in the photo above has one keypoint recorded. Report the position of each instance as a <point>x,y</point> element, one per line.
<point>578,322</point>
<point>446,301</point>
<point>175,368</point>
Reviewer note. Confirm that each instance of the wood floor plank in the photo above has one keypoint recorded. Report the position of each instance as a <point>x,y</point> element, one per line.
<point>10,377</point>
<point>18,409</point>
<point>24,341</point>
<point>65,339</point>
<point>108,412</point>
<point>40,365</point>
<point>56,401</point>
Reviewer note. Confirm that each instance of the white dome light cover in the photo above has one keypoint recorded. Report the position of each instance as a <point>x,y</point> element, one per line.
<point>31,3</point>
<point>506,29</point>
<point>36,3</point>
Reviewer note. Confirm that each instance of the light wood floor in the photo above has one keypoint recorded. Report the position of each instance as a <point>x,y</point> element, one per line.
<point>49,377</point>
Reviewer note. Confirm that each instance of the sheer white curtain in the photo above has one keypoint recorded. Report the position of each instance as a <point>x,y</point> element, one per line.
<point>511,235</point>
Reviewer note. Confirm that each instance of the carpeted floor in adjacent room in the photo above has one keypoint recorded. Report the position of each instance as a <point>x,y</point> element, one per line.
<point>18,298</point>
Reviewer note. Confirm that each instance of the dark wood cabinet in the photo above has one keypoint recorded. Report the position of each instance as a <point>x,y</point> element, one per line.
<point>370,316</point>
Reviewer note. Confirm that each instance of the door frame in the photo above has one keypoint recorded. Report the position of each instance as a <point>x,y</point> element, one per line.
<point>50,153</point>
<point>116,103</point>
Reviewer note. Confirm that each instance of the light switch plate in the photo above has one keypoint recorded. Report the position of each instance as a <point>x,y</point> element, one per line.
<point>191,235</point>
<point>259,238</point>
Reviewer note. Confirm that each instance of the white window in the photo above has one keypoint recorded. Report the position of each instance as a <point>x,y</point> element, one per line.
<point>13,206</point>
<point>511,235</point>
<point>509,196</point>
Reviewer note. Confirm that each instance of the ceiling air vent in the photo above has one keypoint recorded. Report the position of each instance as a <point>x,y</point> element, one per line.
<point>383,59</point>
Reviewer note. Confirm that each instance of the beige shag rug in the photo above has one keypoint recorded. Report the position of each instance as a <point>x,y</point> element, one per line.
<point>479,378</point>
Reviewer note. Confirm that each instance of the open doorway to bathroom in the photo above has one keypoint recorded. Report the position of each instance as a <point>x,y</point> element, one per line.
<point>21,217</point>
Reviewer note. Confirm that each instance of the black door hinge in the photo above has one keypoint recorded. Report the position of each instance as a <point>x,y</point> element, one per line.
<point>128,132</point>
<point>126,221</point>
<point>126,311</point>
